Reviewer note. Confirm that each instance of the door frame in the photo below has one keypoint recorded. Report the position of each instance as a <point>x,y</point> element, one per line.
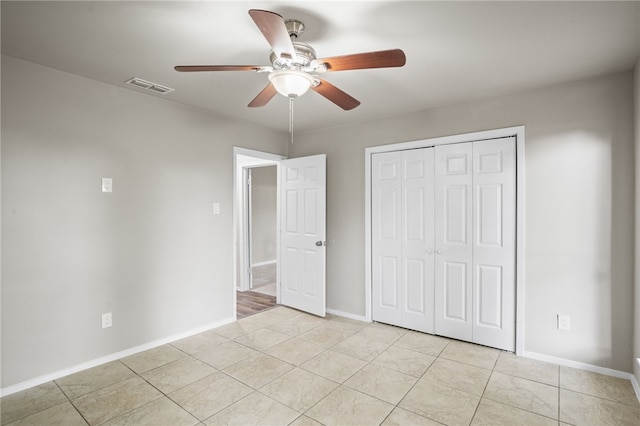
<point>518,133</point>
<point>243,159</point>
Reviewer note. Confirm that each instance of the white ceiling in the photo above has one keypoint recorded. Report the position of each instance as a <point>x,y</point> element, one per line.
<point>456,51</point>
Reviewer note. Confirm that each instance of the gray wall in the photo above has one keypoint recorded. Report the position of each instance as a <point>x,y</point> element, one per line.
<point>264,195</point>
<point>151,252</point>
<point>579,208</point>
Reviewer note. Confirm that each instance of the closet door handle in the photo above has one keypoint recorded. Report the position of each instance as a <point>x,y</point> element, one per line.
<point>439,251</point>
<point>429,251</point>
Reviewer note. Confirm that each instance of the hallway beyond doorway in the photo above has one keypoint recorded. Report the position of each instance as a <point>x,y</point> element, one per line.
<point>264,279</point>
<point>250,303</point>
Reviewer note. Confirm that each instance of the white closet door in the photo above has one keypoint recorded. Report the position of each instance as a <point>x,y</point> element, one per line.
<point>402,236</point>
<point>386,184</point>
<point>417,239</point>
<point>443,240</point>
<point>454,248</point>
<point>494,240</point>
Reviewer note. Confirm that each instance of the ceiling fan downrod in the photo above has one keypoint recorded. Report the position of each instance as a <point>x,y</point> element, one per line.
<point>294,27</point>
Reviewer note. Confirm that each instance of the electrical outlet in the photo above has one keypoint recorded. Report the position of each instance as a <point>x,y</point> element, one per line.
<point>564,322</point>
<point>107,320</point>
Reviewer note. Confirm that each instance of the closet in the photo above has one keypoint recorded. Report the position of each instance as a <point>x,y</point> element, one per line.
<point>443,240</point>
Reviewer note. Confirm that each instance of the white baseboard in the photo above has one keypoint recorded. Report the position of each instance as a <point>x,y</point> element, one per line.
<point>582,366</point>
<point>267,262</point>
<point>347,315</point>
<point>108,358</point>
<point>634,379</point>
<point>636,386</point>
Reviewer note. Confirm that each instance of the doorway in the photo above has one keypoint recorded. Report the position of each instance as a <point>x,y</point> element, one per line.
<point>300,228</point>
<point>262,236</point>
<point>255,222</point>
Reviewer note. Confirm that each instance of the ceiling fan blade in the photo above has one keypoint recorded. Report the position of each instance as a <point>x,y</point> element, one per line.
<point>336,95</point>
<point>263,97</point>
<point>192,68</point>
<point>274,30</point>
<point>358,61</point>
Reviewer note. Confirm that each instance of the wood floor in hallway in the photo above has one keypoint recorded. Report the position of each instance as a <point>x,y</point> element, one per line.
<point>251,302</point>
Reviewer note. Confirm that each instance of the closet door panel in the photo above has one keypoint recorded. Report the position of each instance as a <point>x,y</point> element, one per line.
<point>453,240</point>
<point>417,239</point>
<point>494,243</point>
<point>489,288</point>
<point>386,233</point>
<point>455,291</point>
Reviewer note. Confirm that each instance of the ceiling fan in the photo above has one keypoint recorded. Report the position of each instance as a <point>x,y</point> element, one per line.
<point>294,66</point>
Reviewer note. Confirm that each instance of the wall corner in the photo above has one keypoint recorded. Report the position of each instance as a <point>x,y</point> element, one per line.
<point>636,308</point>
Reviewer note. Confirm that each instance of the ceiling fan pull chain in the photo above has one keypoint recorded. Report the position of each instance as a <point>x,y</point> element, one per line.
<point>291,119</point>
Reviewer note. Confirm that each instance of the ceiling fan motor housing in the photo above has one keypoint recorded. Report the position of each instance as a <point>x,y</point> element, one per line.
<point>304,55</point>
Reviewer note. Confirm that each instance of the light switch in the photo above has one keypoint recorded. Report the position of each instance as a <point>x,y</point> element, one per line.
<point>216,208</point>
<point>564,322</point>
<point>107,185</point>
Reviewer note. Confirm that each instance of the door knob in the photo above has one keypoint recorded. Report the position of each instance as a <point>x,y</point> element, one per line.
<point>321,243</point>
<point>429,251</point>
<point>439,251</point>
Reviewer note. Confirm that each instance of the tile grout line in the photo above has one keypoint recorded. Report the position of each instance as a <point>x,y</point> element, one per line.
<point>414,385</point>
<point>397,405</point>
<point>164,395</point>
<point>559,398</point>
<point>94,390</point>
<point>475,412</point>
<point>141,378</point>
<point>70,402</point>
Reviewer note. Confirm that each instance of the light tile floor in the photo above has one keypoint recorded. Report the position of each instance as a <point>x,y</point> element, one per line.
<point>284,367</point>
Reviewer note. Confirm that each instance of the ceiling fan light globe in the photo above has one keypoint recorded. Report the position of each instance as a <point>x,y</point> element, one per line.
<point>291,83</point>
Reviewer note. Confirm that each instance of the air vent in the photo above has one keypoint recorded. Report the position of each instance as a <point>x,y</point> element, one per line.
<point>143,84</point>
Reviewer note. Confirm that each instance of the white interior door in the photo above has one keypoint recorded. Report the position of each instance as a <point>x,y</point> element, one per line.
<point>403,236</point>
<point>454,249</point>
<point>303,234</point>
<point>494,242</point>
